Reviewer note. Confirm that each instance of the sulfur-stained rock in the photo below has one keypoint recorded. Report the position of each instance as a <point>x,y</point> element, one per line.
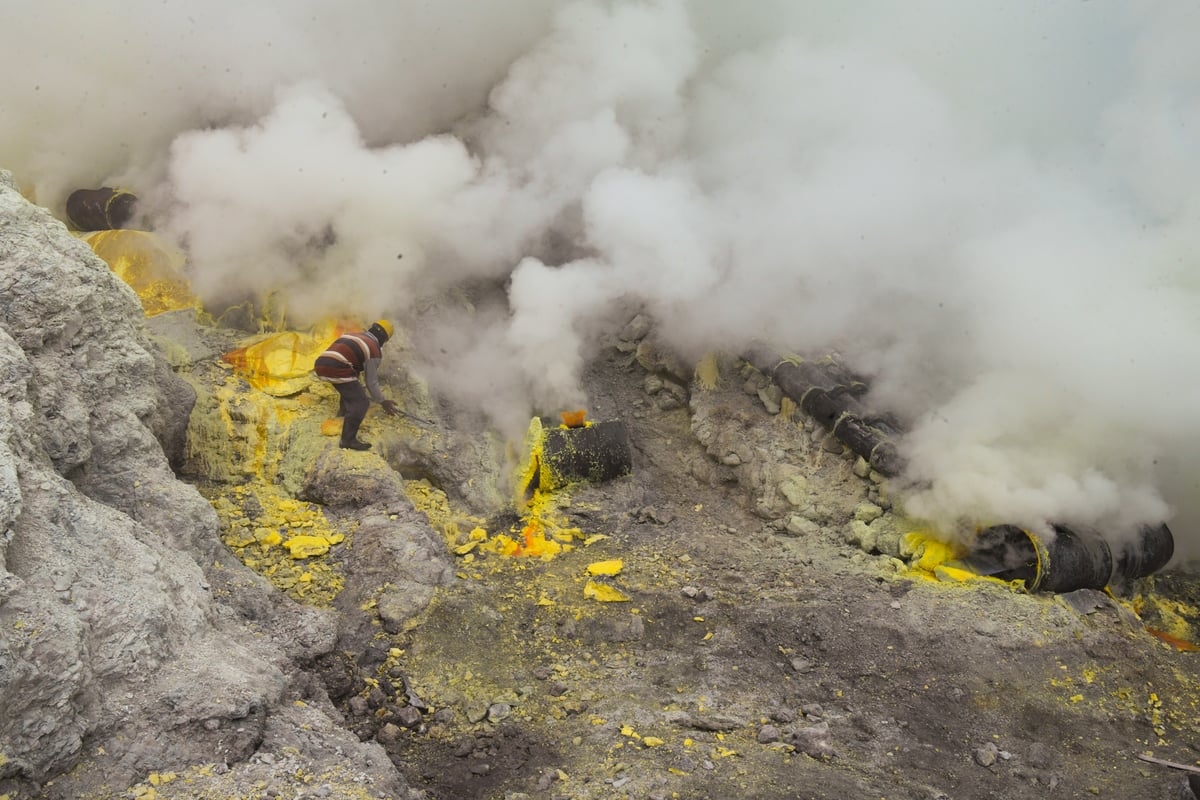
<point>124,623</point>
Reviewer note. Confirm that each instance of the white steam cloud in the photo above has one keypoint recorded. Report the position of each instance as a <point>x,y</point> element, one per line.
<point>990,210</point>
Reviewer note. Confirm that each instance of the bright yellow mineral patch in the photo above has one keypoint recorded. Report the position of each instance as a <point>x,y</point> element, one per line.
<point>281,363</point>
<point>610,567</point>
<point>255,519</point>
<point>152,267</point>
<point>306,546</point>
<point>604,593</point>
<point>926,552</point>
<point>708,372</point>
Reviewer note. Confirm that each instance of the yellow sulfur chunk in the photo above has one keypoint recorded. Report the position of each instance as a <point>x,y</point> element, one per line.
<point>611,567</point>
<point>947,573</point>
<point>477,535</point>
<point>604,593</point>
<point>267,537</point>
<point>504,545</point>
<point>306,546</point>
<point>926,552</point>
<point>463,549</point>
<point>239,538</point>
<point>652,741</point>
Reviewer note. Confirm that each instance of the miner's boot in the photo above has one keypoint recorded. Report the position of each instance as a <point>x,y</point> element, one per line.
<point>350,439</point>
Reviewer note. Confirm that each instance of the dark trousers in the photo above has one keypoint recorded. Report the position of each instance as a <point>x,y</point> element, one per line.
<point>353,406</point>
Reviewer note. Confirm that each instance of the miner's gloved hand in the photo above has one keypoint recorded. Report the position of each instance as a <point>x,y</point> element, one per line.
<point>390,407</point>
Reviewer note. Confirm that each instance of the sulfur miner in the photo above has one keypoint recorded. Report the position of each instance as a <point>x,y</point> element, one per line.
<point>351,355</point>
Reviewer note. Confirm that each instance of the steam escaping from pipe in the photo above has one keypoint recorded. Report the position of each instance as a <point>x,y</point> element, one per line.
<point>988,211</point>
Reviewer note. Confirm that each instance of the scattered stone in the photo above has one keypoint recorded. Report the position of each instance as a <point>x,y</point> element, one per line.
<point>476,712</point>
<point>388,734</point>
<point>985,755</point>
<point>540,673</point>
<point>861,468</point>
<point>358,705</point>
<point>1085,601</point>
<point>867,512</point>
<point>768,734</point>
<point>480,768</point>
<point>814,740</point>
<point>714,723</point>
<point>860,534</point>
<point>465,748</point>
<point>635,329</point>
<point>798,525</point>
<point>672,396</point>
<point>558,689</point>
<point>771,397</point>
<point>651,515</point>
<point>498,711</point>
<point>784,715</point>
<point>690,591</point>
<point>572,706</point>
<point>801,664</point>
<point>1040,756</point>
<point>796,490</point>
<point>408,716</point>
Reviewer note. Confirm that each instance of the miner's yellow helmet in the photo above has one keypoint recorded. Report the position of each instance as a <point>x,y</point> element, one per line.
<point>381,330</point>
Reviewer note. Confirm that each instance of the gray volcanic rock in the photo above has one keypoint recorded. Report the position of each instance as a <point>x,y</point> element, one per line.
<point>116,658</point>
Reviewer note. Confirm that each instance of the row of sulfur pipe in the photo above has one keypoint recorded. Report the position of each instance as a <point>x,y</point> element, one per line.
<point>1067,559</point>
<point>830,394</point>
<point>1064,559</point>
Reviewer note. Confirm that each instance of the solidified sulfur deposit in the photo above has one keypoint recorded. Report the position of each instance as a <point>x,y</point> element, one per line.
<point>153,268</point>
<point>281,363</point>
<point>285,540</point>
<point>543,533</point>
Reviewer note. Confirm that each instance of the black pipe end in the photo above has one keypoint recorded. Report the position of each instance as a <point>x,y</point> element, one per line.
<point>1149,552</point>
<point>1005,552</point>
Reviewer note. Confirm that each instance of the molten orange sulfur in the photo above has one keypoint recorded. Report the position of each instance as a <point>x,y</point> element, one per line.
<point>1179,644</point>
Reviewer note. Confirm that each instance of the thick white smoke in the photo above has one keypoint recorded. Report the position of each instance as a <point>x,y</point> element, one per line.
<point>989,209</point>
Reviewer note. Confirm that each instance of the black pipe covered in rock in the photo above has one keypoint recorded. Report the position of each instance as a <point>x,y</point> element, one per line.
<point>828,393</point>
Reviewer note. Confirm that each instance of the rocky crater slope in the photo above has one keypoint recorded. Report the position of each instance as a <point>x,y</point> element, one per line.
<point>131,642</point>
<point>742,616</point>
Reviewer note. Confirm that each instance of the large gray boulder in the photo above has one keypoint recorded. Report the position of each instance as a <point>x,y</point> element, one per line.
<point>129,639</point>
